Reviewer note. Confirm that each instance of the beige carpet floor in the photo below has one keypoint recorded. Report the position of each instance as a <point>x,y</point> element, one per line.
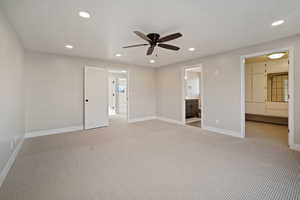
<point>154,160</point>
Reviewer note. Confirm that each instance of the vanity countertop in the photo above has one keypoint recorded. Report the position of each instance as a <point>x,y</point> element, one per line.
<point>192,98</point>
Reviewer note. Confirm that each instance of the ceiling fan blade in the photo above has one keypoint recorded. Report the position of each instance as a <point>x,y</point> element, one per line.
<point>150,50</point>
<point>170,37</point>
<point>137,45</point>
<point>168,46</point>
<point>142,35</point>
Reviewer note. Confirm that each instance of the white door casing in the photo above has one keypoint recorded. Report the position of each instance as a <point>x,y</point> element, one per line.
<point>112,82</point>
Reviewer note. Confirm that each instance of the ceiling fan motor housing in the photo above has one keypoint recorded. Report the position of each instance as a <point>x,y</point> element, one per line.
<point>154,38</point>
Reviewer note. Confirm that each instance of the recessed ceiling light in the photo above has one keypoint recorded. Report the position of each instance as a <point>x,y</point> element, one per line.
<point>192,49</point>
<point>68,46</point>
<point>84,14</point>
<point>152,61</point>
<point>278,23</point>
<point>276,55</point>
<point>118,55</point>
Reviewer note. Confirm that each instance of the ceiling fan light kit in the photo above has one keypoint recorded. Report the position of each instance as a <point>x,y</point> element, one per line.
<point>154,40</point>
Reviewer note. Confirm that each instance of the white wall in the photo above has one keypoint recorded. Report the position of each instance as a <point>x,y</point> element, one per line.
<point>169,92</point>
<point>54,90</point>
<point>11,87</point>
<point>222,86</point>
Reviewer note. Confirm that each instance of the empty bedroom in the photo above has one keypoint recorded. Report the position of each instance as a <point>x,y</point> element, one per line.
<point>160,100</point>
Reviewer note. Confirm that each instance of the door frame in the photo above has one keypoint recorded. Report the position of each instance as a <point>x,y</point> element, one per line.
<point>183,93</point>
<point>114,70</point>
<point>291,91</point>
<point>109,95</point>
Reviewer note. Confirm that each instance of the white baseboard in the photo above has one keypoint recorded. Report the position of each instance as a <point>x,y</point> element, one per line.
<point>295,147</point>
<point>53,131</point>
<point>222,131</point>
<point>10,162</point>
<point>170,120</point>
<point>141,119</point>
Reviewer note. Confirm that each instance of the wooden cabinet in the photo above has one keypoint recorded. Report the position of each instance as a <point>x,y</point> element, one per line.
<point>192,108</point>
<point>256,88</point>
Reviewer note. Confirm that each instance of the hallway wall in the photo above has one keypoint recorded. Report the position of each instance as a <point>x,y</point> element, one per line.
<point>12,126</point>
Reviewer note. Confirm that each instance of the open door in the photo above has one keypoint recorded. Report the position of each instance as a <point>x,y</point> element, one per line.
<point>96,97</point>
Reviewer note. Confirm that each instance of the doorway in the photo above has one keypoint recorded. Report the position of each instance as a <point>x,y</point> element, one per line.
<point>193,96</point>
<point>267,93</point>
<point>118,93</point>
<point>105,97</point>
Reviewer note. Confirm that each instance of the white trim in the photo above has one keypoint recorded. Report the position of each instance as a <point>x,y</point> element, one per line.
<point>223,131</point>
<point>141,119</point>
<point>291,100</point>
<point>291,91</point>
<point>53,131</point>
<point>183,91</point>
<point>295,147</point>
<point>183,94</point>
<point>128,96</point>
<point>202,96</point>
<point>10,162</point>
<point>170,120</point>
<point>243,98</point>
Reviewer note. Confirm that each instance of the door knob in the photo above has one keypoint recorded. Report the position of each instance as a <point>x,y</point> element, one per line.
<point>86,100</point>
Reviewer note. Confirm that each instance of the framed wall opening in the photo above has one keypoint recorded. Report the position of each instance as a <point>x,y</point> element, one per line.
<point>192,95</point>
<point>118,105</point>
<point>270,98</point>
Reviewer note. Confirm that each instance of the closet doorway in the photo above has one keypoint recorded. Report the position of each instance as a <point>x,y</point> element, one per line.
<point>267,91</point>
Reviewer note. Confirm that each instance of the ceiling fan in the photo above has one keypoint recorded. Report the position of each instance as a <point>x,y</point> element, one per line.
<point>154,40</point>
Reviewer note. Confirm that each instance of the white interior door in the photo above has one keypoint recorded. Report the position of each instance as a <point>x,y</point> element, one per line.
<point>96,97</point>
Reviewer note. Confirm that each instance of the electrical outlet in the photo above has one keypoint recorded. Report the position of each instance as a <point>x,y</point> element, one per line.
<point>217,121</point>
